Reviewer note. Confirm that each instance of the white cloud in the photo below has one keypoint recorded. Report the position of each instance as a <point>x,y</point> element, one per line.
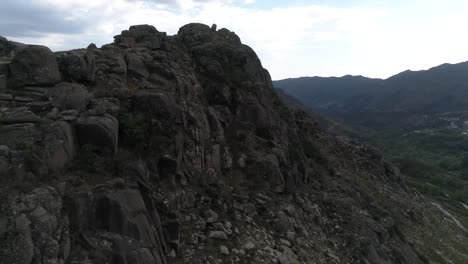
<point>291,41</point>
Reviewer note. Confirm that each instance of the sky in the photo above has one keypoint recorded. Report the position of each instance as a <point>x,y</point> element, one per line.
<point>374,38</point>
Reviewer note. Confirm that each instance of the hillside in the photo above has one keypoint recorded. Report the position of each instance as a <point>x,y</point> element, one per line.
<point>417,118</point>
<point>177,149</point>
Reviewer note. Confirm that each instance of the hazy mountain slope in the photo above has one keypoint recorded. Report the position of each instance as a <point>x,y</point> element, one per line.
<point>176,149</point>
<point>320,92</point>
<point>375,102</point>
<point>326,123</point>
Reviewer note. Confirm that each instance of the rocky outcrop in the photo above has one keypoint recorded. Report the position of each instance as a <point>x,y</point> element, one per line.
<point>77,66</point>
<point>179,151</point>
<point>35,65</point>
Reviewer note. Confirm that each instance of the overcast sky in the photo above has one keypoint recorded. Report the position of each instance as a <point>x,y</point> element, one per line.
<point>375,38</point>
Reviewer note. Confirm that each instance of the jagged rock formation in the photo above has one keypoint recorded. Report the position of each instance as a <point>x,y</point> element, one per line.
<point>176,149</point>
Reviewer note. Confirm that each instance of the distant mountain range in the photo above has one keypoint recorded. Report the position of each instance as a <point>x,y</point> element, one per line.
<point>397,100</point>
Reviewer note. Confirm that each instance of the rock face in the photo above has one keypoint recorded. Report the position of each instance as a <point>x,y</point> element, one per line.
<point>3,83</point>
<point>35,65</point>
<point>176,149</point>
<point>77,66</point>
<point>99,131</point>
<point>66,96</point>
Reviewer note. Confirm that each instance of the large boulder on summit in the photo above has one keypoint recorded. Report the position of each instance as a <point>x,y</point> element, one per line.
<point>140,36</point>
<point>67,96</point>
<point>101,132</point>
<point>35,65</point>
<point>196,34</point>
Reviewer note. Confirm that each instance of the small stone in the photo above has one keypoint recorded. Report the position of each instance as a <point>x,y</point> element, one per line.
<point>188,218</point>
<point>228,225</point>
<point>211,216</point>
<point>224,250</point>
<point>218,235</point>
<point>249,245</point>
<point>285,242</point>
<point>218,226</point>
<point>291,235</point>
<point>249,208</point>
<point>172,254</point>
<point>200,223</point>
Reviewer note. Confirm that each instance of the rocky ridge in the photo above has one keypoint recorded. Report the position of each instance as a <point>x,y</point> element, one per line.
<point>176,149</point>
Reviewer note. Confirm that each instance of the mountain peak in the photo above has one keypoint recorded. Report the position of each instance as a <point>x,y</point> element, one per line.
<point>176,149</point>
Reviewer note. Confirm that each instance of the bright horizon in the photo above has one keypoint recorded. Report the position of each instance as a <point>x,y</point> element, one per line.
<point>373,38</point>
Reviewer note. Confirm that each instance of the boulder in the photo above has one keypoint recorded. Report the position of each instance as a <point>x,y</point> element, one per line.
<point>65,96</point>
<point>91,46</point>
<point>218,235</point>
<point>195,34</point>
<point>35,65</point>
<point>140,36</point>
<point>265,168</point>
<point>77,66</point>
<point>99,131</point>
<point>136,66</point>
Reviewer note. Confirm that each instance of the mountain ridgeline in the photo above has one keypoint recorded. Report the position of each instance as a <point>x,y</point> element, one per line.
<point>162,149</point>
<point>375,102</point>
